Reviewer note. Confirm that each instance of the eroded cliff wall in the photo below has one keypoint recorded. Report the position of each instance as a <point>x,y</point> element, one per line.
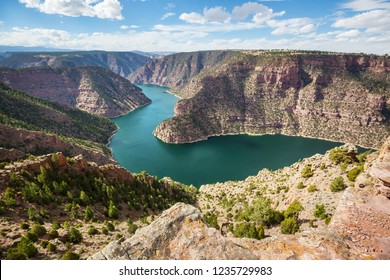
<point>337,97</point>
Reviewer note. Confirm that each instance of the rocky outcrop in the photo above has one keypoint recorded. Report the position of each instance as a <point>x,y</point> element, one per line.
<point>21,142</point>
<point>338,97</point>
<point>177,69</point>
<point>121,63</point>
<point>180,233</point>
<point>10,154</point>
<point>92,89</point>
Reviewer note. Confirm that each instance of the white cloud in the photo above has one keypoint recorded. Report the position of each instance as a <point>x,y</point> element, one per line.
<point>216,14</point>
<point>162,40</point>
<point>260,14</point>
<point>373,21</point>
<point>105,9</point>
<point>349,34</point>
<point>167,15</point>
<point>212,14</point>
<point>292,26</point>
<point>193,18</point>
<point>125,27</point>
<point>366,5</point>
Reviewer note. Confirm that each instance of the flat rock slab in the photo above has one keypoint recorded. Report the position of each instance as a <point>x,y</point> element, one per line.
<point>381,170</point>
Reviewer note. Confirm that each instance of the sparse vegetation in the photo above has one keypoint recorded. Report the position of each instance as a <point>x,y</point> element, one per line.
<point>289,225</point>
<point>320,212</point>
<point>312,188</point>
<point>338,185</point>
<point>211,219</point>
<point>307,172</point>
<point>249,230</point>
<point>74,236</point>
<point>353,173</point>
<point>69,255</point>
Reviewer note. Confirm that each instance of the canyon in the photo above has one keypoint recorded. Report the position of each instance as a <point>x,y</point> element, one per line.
<point>338,97</point>
<point>92,89</point>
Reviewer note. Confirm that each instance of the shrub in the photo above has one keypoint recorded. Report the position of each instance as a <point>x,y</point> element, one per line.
<point>88,213</point>
<point>56,225</point>
<point>38,230</point>
<point>92,230</point>
<point>53,233</point>
<point>307,172</point>
<point>105,230</point>
<point>14,254</point>
<point>249,230</point>
<point>289,225</point>
<point>261,212</point>
<point>293,210</point>
<point>51,247</point>
<point>69,255</point>
<point>109,226</point>
<point>353,173</point>
<point>113,211</point>
<point>84,199</point>
<point>320,212</point>
<point>74,235</point>
<point>301,186</point>
<point>327,220</point>
<point>338,184</point>
<point>27,248</point>
<point>131,227</point>
<point>211,219</point>
<point>323,166</point>
<point>44,243</point>
<point>33,215</point>
<point>24,226</point>
<point>312,188</point>
<point>9,197</point>
<point>31,236</point>
<point>341,155</point>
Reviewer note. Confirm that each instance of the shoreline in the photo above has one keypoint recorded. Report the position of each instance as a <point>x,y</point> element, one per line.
<point>264,134</point>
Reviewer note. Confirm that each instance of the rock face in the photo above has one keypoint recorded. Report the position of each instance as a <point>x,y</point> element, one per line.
<point>176,69</point>
<point>180,233</point>
<point>35,126</point>
<point>25,142</point>
<point>330,96</point>
<point>91,89</point>
<point>121,63</point>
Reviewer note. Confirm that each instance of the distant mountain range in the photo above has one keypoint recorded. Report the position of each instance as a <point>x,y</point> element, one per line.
<point>122,63</point>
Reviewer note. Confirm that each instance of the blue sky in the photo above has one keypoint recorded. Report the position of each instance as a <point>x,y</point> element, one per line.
<point>188,25</point>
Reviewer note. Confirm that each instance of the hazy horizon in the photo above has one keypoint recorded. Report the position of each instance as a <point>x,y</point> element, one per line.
<point>350,26</point>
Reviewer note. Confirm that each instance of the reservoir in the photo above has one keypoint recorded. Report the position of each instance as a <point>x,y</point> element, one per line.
<point>218,159</point>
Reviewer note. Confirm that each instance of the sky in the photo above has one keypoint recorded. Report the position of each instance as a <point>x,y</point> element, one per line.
<point>190,25</point>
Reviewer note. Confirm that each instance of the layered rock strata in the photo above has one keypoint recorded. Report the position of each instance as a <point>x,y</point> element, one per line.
<point>338,97</point>
<point>177,69</point>
<point>92,89</point>
<point>121,63</point>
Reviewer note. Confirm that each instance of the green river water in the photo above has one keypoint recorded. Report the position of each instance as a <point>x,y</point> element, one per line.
<point>218,159</point>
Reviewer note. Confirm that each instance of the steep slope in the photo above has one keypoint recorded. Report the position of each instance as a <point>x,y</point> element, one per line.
<point>176,69</point>
<point>121,63</point>
<point>338,97</point>
<point>57,204</point>
<point>354,222</point>
<point>92,89</point>
<point>37,126</point>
